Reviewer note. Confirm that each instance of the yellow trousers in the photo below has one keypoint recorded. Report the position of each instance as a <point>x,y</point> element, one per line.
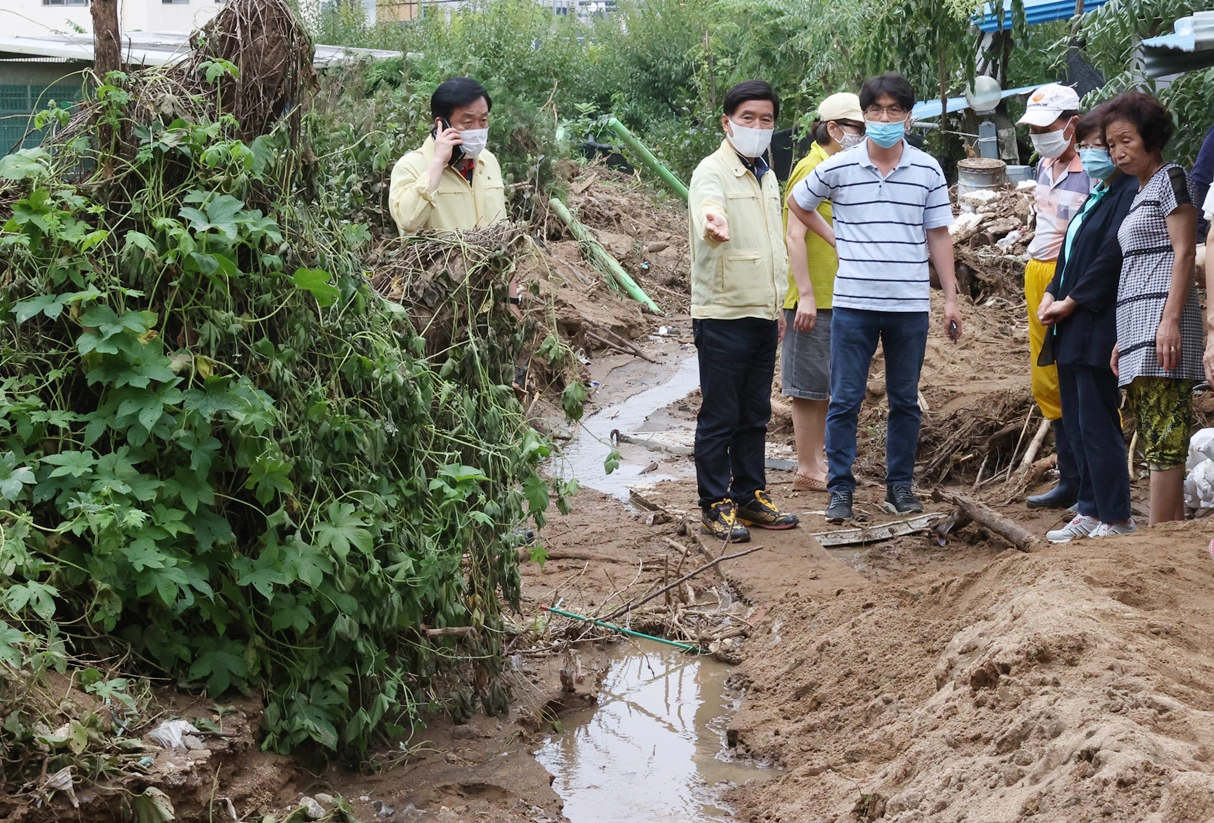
<point>1037,275</point>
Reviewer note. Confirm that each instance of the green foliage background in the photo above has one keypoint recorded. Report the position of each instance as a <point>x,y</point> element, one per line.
<point>222,453</point>
<point>663,66</point>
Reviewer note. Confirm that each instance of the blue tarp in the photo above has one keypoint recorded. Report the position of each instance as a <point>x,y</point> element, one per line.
<point>1035,11</point>
<point>928,109</point>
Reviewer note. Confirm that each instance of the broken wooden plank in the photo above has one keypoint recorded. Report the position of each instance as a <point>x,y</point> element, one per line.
<point>882,531</point>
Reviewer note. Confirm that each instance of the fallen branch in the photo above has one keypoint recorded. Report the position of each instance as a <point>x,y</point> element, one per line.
<point>451,631</point>
<point>633,350</point>
<point>620,612</point>
<point>1035,445</point>
<point>524,554</point>
<point>983,515</point>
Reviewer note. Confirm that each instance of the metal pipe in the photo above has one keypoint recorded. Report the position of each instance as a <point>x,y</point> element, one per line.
<point>600,256</point>
<point>646,156</point>
<point>684,646</point>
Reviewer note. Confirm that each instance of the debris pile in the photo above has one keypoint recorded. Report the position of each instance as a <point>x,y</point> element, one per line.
<point>991,236</point>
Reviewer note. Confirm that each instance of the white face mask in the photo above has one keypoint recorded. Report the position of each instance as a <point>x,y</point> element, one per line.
<point>1051,144</point>
<point>750,142</point>
<point>475,141</point>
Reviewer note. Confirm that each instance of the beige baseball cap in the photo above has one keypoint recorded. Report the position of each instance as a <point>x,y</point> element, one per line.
<point>841,106</point>
<point>1048,103</point>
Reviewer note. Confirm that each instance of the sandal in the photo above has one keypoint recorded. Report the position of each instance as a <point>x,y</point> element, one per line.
<point>805,483</point>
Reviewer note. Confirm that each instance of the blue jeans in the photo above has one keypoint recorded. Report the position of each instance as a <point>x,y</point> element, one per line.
<point>737,363</point>
<point>853,341</point>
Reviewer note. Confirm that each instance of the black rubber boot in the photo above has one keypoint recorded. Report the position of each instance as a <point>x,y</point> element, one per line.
<point>1066,493</point>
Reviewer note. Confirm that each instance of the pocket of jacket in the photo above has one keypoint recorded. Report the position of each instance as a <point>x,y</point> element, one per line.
<point>745,279</point>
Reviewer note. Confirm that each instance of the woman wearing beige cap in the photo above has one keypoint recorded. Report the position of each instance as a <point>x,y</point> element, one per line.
<point>805,364</point>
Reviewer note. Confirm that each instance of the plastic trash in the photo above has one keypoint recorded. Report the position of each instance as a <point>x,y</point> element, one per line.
<point>1199,486</point>
<point>1201,448</point>
<point>171,734</point>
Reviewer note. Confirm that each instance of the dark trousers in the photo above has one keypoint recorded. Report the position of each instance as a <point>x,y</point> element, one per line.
<point>853,341</point>
<point>1090,400</point>
<point>737,364</point>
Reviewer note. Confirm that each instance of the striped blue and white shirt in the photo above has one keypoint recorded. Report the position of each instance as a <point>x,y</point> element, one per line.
<point>881,226</point>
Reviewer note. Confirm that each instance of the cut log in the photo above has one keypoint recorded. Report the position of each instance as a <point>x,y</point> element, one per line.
<point>983,515</point>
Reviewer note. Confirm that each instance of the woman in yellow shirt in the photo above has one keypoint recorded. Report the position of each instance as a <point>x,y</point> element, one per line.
<point>805,365</point>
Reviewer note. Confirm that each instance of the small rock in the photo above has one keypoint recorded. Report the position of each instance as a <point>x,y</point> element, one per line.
<point>1023,757</point>
<point>192,742</point>
<point>325,799</point>
<point>464,733</point>
<point>311,808</point>
<point>1011,775</point>
<point>384,810</point>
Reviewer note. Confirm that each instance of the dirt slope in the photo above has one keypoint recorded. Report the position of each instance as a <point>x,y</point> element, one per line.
<point>1072,684</point>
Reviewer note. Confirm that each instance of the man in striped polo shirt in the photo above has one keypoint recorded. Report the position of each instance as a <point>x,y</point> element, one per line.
<point>891,214</point>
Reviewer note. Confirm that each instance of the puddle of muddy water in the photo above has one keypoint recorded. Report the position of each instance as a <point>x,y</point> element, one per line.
<point>582,458</point>
<point>653,749</point>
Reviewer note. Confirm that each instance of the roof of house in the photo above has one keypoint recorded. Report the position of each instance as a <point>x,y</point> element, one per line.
<point>1035,11</point>
<point>927,109</point>
<point>1189,47</point>
<point>152,49</point>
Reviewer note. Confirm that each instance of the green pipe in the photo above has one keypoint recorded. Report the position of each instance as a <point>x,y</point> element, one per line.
<point>646,156</point>
<point>600,256</point>
<point>684,646</point>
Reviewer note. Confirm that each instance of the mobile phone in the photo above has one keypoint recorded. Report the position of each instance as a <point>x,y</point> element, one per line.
<point>952,330</point>
<point>457,152</point>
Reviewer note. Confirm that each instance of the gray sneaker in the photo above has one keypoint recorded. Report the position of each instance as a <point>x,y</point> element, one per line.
<point>1081,526</point>
<point>901,500</point>
<point>1114,529</point>
<point>839,509</point>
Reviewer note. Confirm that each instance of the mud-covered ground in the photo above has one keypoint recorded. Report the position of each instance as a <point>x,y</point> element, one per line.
<point>912,679</point>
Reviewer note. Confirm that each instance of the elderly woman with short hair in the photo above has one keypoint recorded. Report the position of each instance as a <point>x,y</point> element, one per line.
<point>1159,327</point>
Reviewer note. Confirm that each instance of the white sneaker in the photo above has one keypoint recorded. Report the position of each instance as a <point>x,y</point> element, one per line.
<point>1081,526</point>
<point>1114,529</point>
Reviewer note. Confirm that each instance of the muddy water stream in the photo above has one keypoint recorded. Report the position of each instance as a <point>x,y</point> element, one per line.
<point>653,749</point>
<point>582,458</point>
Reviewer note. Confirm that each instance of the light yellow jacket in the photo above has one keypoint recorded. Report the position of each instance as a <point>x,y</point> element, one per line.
<point>745,276</point>
<point>823,262</point>
<point>454,205</point>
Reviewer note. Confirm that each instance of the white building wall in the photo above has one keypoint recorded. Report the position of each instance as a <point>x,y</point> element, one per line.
<point>29,17</point>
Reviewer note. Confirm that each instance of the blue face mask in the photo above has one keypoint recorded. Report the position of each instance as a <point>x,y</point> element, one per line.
<point>885,135</point>
<point>1097,163</point>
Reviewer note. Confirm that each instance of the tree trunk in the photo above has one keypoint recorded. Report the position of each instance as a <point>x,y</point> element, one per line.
<point>107,41</point>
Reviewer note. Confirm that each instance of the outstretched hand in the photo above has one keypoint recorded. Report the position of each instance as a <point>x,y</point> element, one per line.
<point>716,226</point>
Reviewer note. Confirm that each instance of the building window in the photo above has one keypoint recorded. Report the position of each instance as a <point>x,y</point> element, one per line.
<point>65,2</point>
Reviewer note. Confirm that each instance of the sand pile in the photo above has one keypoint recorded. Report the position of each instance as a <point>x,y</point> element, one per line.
<point>1068,685</point>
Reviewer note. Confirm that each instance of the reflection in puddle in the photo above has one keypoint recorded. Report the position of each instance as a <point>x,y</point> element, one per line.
<point>582,458</point>
<point>653,749</point>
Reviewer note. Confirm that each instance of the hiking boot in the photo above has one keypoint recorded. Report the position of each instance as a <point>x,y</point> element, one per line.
<point>763,514</point>
<point>839,509</point>
<point>1114,529</point>
<point>900,500</point>
<point>1081,526</point>
<point>719,521</point>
